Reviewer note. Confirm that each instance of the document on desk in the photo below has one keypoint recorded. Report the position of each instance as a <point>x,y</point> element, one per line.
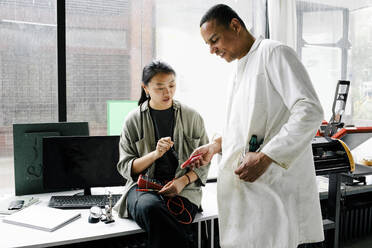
<point>42,218</point>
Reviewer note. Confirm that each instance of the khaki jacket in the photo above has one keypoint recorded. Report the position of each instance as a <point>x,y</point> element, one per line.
<point>138,139</point>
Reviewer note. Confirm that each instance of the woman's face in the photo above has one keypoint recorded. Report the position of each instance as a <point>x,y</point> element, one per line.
<point>161,89</point>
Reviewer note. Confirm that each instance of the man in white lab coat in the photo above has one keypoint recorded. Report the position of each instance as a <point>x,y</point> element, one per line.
<point>267,193</point>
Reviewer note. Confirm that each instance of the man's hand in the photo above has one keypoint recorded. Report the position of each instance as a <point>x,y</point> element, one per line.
<point>207,152</point>
<point>253,166</point>
<point>174,187</point>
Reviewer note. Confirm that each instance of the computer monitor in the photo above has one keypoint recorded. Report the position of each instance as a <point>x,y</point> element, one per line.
<point>81,162</point>
<point>28,150</point>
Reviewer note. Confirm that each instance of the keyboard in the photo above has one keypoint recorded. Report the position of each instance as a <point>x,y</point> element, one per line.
<point>81,201</point>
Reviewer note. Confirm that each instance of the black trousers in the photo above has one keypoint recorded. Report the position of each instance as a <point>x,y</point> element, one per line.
<point>151,212</point>
<point>313,245</point>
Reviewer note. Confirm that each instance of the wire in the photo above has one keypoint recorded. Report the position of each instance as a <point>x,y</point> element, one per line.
<point>182,209</point>
<point>176,201</point>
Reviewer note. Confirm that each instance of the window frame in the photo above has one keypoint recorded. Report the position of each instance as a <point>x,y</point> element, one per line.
<point>343,44</point>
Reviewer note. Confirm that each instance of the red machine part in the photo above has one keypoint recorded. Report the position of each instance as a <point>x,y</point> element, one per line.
<point>347,130</point>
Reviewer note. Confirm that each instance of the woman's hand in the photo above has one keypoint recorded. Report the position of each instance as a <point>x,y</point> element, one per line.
<point>174,187</point>
<point>144,162</point>
<point>163,145</point>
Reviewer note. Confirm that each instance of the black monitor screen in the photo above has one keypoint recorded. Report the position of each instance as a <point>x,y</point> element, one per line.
<point>81,162</point>
<point>28,152</point>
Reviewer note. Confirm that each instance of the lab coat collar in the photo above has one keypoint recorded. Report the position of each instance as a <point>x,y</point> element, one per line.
<point>243,61</point>
<point>256,43</point>
<point>254,46</point>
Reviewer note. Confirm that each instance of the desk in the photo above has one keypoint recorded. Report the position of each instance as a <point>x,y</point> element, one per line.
<point>358,176</point>
<point>80,230</point>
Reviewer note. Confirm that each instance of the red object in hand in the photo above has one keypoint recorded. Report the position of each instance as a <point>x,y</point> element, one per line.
<point>148,190</point>
<point>190,160</point>
<point>147,183</point>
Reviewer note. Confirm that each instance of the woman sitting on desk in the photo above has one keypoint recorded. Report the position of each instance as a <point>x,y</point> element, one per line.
<point>157,137</point>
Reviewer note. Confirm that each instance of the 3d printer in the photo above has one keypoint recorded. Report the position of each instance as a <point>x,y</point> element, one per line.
<point>332,155</point>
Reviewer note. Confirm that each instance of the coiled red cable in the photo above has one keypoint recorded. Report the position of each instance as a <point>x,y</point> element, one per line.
<point>182,209</point>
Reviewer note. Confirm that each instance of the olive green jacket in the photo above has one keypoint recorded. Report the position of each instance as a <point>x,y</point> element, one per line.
<point>138,139</point>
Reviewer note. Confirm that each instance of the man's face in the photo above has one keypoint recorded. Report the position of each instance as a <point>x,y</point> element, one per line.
<point>221,40</point>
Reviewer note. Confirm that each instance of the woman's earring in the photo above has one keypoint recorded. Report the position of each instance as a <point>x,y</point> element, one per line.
<point>147,95</point>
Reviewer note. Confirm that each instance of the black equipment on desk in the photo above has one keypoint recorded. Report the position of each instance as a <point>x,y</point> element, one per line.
<point>338,108</point>
<point>81,201</point>
<point>331,156</point>
<point>28,152</point>
<point>81,162</point>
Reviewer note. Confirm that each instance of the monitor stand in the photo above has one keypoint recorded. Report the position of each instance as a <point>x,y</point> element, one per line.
<point>87,191</point>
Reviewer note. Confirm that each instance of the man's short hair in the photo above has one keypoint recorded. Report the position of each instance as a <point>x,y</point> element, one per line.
<point>223,14</point>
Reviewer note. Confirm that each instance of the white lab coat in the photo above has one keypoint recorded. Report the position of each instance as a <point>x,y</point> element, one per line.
<point>271,96</point>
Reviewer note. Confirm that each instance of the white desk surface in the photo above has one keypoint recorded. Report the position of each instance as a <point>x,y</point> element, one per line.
<point>80,230</point>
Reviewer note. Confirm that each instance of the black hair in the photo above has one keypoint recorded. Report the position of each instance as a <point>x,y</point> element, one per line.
<point>149,71</point>
<point>223,14</point>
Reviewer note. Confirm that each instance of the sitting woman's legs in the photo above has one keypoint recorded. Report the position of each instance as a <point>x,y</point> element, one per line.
<point>151,213</point>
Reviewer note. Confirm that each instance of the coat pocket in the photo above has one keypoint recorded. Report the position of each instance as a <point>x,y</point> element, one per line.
<point>271,175</point>
<point>142,147</point>
<point>191,143</point>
